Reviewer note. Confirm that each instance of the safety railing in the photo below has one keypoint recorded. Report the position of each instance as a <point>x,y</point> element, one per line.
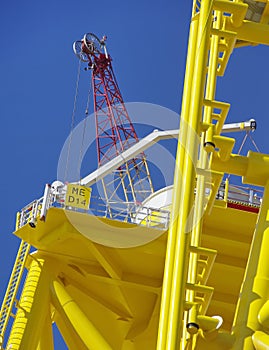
<point>128,211</point>
<point>29,214</point>
<point>121,211</point>
<point>241,194</point>
<point>131,212</point>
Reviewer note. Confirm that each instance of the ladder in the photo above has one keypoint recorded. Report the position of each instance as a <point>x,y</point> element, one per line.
<point>12,289</point>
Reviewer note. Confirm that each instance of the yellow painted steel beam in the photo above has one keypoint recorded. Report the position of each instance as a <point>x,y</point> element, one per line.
<point>84,285</point>
<point>225,146</point>
<point>181,209</point>
<point>254,168</point>
<point>258,169</point>
<point>141,325</point>
<point>88,333</point>
<point>68,333</point>
<point>151,285</point>
<point>214,341</point>
<point>216,182</point>
<point>229,45</point>
<point>252,32</point>
<point>199,207</point>
<point>260,340</point>
<point>32,308</point>
<point>211,80</point>
<point>263,315</point>
<point>236,164</point>
<point>213,104</point>
<point>106,261</point>
<point>171,241</point>
<point>255,288</point>
<point>236,8</point>
<point>46,335</point>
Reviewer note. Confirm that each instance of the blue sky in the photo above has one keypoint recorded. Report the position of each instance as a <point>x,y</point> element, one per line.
<point>147,41</point>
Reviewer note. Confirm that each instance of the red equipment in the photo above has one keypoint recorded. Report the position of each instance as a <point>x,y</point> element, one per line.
<point>114,130</point>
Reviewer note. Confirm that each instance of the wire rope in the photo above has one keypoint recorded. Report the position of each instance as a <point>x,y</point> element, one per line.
<point>248,134</point>
<point>83,132</point>
<point>240,148</point>
<point>243,142</point>
<point>72,121</point>
<point>254,143</point>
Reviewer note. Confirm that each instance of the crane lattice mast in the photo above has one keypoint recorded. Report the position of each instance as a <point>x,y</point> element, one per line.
<point>114,130</point>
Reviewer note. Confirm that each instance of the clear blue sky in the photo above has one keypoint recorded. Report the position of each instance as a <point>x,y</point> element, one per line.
<point>148,43</point>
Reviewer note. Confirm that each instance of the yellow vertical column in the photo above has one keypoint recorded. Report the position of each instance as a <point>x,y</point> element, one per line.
<point>255,288</point>
<point>167,278</point>
<point>184,222</point>
<point>32,308</point>
<point>46,335</point>
<point>203,160</point>
<point>179,233</point>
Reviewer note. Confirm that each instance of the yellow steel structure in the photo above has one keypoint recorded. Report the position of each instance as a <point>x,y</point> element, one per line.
<point>204,283</point>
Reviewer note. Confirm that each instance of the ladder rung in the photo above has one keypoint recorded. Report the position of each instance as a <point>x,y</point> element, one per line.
<point>6,309</point>
<point>203,295</point>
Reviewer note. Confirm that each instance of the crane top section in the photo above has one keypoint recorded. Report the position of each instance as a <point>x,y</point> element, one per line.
<point>93,50</point>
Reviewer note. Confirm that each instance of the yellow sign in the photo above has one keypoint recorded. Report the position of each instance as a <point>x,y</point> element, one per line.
<point>78,196</point>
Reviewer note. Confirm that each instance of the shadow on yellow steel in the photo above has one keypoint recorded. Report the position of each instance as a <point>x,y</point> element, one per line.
<point>114,290</point>
<point>117,290</point>
<point>260,340</point>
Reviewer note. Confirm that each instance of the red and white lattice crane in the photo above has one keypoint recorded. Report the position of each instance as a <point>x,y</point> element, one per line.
<point>114,130</point>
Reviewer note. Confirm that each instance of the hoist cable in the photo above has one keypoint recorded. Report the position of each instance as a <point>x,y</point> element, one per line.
<point>243,142</point>
<point>254,143</point>
<point>72,121</point>
<point>83,132</point>
<point>248,134</point>
<point>241,147</point>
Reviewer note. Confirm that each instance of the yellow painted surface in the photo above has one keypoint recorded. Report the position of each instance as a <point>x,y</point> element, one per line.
<point>116,285</point>
<point>119,289</point>
<point>77,196</point>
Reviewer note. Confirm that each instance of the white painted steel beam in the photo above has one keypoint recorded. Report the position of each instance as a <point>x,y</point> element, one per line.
<point>130,153</point>
<point>147,142</point>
